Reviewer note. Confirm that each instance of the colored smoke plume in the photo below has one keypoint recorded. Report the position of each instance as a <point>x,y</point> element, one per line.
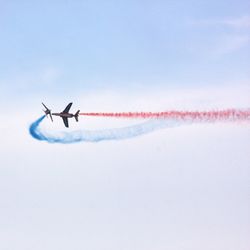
<point>157,120</point>
<point>96,135</point>
<point>222,115</point>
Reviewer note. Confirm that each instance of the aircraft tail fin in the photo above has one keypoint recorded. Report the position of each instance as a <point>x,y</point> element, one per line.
<point>47,112</point>
<point>77,115</point>
<point>50,115</point>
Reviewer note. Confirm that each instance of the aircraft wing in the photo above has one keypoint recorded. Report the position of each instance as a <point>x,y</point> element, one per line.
<point>66,110</point>
<point>65,121</point>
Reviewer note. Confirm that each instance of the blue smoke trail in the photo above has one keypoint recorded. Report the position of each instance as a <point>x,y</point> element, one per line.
<point>35,131</point>
<point>97,135</point>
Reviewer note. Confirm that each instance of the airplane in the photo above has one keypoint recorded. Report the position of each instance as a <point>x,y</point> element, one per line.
<point>65,115</point>
<point>47,112</point>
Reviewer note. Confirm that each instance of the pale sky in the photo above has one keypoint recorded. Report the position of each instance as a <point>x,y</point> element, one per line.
<point>185,187</point>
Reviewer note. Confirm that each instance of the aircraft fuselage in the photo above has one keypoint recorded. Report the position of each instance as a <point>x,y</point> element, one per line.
<point>66,115</point>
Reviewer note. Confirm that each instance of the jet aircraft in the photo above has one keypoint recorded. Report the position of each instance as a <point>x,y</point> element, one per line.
<point>47,112</point>
<point>65,115</point>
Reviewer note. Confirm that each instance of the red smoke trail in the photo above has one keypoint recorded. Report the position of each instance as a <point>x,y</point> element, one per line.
<point>221,115</point>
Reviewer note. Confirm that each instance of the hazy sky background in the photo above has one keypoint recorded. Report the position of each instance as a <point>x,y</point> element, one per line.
<point>179,188</point>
